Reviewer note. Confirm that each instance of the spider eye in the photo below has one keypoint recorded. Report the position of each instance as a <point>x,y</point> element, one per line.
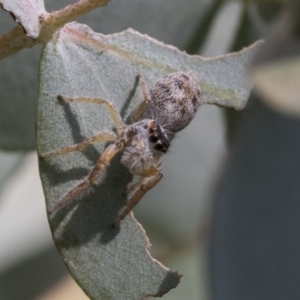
<point>158,147</point>
<point>153,138</point>
<point>159,138</point>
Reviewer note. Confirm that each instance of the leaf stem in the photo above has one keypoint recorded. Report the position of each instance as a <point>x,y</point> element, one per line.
<point>14,41</point>
<point>57,19</point>
<point>17,40</point>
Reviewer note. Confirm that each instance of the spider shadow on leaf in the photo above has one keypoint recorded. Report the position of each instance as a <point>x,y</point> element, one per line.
<point>97,208</point>
<point>95,211</point>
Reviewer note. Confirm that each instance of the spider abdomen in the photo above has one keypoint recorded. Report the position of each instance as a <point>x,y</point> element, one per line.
<point>174,101</point>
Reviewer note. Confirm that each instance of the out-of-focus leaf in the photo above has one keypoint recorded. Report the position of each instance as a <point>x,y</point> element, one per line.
<point>26,13</point>
<point>254,243</point>
<point>174,22</point>
<point>278,83</point>
<point>8,163</point>
<point>82,63</point>
<point>220,37</point>
<point>18,94</point>
<point>277,65</point>
<point>18,100</point>
<point>6,22</point>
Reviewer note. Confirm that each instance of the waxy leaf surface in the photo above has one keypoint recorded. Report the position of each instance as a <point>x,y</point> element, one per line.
<point>79,62</point>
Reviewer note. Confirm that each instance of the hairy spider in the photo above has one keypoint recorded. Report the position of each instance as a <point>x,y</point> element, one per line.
<point>169,107</point>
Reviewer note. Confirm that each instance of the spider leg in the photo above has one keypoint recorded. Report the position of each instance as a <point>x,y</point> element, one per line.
<point>104,136</point>
<point>138,112</point>
<point>138,190</point>
<point>95,177</point>
<point>114,114</point>
<point>101,137</point>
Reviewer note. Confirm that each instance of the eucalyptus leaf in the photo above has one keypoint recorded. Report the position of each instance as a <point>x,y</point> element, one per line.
<point>111,263</point>
<point>278,83</point>
<point>26,13</point>
<point>174,22</point>
<point>18,72</point>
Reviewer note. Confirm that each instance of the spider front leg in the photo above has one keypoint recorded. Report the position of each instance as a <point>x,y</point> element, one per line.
<point>104,136</point>
<point>94,178</point>
<point>101,137</point>
<point>97,174</point>
<point>114,114</point>
<point>138,190</point>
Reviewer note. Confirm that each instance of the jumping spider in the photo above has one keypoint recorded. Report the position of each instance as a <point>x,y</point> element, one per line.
<point>169,107</point>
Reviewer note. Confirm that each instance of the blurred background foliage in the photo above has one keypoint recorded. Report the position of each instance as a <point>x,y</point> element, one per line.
<point>252,236</point>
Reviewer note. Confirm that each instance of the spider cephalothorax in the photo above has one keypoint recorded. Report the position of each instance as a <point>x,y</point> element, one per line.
<point>169,107</point>
<point>146,147</point>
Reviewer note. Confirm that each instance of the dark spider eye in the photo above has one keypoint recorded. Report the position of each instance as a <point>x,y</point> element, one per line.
<point>158,147</point>
<point>153,139</point>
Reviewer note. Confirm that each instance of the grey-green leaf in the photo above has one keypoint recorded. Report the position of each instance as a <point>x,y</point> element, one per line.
<point>18,105</point>
<point>278,84</point>
<point>26,13</point>
<point>111,263</point>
